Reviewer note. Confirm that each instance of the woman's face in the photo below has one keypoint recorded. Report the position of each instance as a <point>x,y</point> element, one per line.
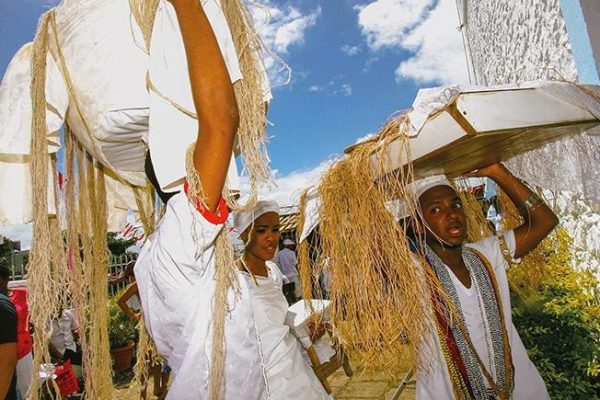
<point>261,238</point>
<point>444,215</point>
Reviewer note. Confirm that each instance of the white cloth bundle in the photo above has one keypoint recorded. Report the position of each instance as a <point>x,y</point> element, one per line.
<point>110,108</point>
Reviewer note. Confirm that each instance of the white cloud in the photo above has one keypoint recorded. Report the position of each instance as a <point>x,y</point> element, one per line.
<point>289,187</point>
<point>283,26</point>
<point>334,87</point>
<point>346,90</point>
<point>385,23</point>
<point>350,50</point>
<point>427,29</point>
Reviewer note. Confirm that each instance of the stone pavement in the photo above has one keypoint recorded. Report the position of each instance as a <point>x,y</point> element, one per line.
<point>377,386</point>
<point>362,386</point>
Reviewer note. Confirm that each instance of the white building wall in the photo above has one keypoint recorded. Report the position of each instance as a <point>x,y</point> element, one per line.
<point>519,40</point>
<point>511,40</point>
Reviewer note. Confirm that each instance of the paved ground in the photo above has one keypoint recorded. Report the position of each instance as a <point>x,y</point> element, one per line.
<point>362,386</point>
<point>358,387</point>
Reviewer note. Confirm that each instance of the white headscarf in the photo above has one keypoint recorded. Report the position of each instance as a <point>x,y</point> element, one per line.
<point>416,190</point>
<point>243,219</point>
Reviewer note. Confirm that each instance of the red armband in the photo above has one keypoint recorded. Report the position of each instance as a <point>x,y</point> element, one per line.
<point>217,218</point>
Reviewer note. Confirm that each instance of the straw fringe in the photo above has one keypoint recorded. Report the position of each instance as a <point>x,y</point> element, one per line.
<point>379,292</point>
<point>44,288</point>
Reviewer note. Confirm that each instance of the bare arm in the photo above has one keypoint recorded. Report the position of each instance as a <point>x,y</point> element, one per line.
<point>131,291</point>
<point>214,99</point>
<point>8,355</point>
<point>539,221</point>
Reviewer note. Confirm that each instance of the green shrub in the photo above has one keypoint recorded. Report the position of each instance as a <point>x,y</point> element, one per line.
<point>121,329</point>
<point>557,314</point>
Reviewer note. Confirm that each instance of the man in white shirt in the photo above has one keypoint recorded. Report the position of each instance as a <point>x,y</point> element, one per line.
<point>286,261</point>
<point>64,336</point>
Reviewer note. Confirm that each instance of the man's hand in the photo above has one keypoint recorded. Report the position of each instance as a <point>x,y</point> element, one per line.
<point>489,171</point>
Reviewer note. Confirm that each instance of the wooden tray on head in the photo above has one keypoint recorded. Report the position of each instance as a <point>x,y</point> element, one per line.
<point>479,128</point>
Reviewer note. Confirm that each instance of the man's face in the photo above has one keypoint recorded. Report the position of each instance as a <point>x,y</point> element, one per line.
<point>444,215</point>
<point>262,238</point>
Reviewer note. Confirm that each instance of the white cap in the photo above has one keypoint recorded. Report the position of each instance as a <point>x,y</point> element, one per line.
<point>288,242</point>
<point>416,189</point>
<point>243,219</point>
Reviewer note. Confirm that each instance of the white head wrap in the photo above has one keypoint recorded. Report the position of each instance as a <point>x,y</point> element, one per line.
<point>243,219</point>
<point>417,188</point>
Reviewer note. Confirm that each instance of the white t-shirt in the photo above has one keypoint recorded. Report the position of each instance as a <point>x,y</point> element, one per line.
<point>435,384</point>
<point>62,332</point>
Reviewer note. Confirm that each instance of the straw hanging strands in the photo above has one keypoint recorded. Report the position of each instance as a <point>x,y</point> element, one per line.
<point>379,292</point>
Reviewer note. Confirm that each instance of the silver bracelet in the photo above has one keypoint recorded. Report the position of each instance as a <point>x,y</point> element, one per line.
<point>530,204</point>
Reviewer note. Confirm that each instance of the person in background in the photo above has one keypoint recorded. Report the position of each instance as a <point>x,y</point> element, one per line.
<point>64,338</point>
<point>129,302</point>
<point>8,340</point>
<point>287,262</point>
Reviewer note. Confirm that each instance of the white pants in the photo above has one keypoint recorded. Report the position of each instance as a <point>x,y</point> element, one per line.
<point>23,371</point>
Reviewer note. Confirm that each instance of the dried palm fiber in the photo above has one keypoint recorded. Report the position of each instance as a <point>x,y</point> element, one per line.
<point>146,354</point>
<point>250,94</point>
<point>379,292</point>
<point>225,278</point>
<point>46,268</point>
<point>144,12</point>
<point>477,225</point>
<point>91,217</point>
<point>144,202</point>
<point>146,351</point>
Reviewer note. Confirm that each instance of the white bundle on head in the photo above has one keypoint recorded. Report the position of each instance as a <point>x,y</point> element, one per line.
<point>243,219</point>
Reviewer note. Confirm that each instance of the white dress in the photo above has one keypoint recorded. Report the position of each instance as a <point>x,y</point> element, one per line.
<point>288,375</point>
<point>528,384</point>
<point>175,276</point>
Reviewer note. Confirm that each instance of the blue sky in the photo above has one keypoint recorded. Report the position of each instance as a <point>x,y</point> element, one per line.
<point>353,64</point>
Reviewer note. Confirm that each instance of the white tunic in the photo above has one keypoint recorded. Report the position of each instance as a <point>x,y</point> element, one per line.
<point>175,275</point>
<point>435,385</point>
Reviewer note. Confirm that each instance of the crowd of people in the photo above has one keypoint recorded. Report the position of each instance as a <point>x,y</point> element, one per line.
<point>478,353</point>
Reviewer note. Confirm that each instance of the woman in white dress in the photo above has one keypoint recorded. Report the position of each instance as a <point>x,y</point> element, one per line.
<point>286,373</point>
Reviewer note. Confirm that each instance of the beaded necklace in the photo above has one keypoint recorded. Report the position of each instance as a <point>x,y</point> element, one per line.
<point>467,371</point>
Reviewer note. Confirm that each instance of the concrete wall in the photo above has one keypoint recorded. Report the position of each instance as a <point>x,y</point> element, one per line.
<point>510,40</point>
